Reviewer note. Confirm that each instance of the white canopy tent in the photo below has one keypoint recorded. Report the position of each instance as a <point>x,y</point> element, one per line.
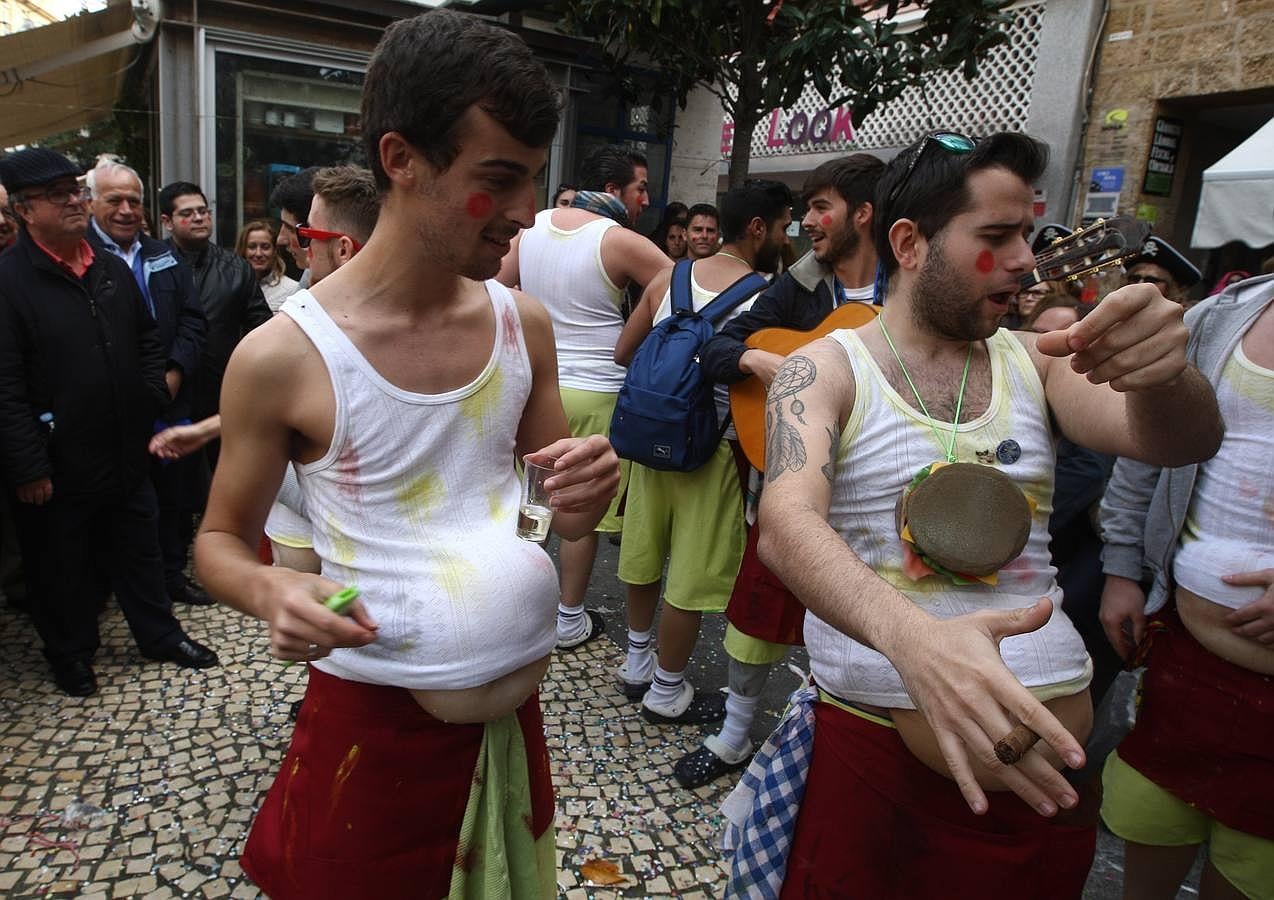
<point>1237,201</point>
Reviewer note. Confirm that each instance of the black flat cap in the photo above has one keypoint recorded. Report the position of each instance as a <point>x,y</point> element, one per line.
<point>1158,251</point>
<point>34,167</point>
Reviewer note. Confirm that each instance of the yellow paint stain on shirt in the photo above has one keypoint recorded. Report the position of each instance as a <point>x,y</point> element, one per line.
<point>454,574</point>
<point>479,406</point>
<point>343,771</point>
<point>343,547</point>
<point>495,503</point>
<point>418,498</point>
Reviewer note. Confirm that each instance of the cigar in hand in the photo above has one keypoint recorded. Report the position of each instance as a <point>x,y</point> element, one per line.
<point>1013,746</point>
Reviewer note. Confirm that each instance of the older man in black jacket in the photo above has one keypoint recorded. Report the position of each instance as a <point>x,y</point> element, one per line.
<point>81,381</point>
<point>228,290</point>
<point>166,283</point>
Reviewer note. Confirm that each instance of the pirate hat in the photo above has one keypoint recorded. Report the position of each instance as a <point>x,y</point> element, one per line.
<point>1158,251</point>
<point>1047,235</point>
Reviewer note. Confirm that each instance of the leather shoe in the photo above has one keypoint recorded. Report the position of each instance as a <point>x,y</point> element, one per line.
<point>191,594</point>
<point>76,678</point>
<point>186,652</point>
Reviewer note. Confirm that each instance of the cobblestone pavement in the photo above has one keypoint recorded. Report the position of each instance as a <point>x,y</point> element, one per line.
<point>147,789</point>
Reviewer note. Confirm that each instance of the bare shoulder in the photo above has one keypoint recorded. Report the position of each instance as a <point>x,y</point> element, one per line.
<point>272,359</point>
<point>820,364</point>
<point>1043,362</point>
<point>535,318</point>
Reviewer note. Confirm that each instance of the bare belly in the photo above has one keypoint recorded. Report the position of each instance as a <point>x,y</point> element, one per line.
<point>1074,712</point>
<point>486,702</point>
<point>1206,621</point>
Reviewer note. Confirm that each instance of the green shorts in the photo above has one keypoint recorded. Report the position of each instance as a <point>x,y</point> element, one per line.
<point>1136,809</point>
<point>754,650</point>
<point>694,520</point>
<point>589,412</point>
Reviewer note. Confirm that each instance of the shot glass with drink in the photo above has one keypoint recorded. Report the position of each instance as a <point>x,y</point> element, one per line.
<point>534,512</point>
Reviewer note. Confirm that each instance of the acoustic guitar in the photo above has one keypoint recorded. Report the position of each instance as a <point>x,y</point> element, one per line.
<point>1105,243</point>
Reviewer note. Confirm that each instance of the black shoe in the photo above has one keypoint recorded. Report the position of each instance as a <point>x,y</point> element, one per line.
<point>76,678</point>
<point>596,626</point>
<point>704,766</point>
<point>191,594</point>
<point>690,709</point>
<point>185,652</point>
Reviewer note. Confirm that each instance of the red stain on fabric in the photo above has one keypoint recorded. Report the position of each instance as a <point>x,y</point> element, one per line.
<point>347,470</point>
<point>985,262</point>
<point>512,328</point>
<point>478,206</point>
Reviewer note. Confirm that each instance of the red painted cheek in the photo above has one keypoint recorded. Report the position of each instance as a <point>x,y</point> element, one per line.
<point>826,221</point>
<point>478,206</point>
<point>985,262</point>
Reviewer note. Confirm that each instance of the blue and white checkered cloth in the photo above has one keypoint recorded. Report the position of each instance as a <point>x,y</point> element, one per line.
<point>761,812</point>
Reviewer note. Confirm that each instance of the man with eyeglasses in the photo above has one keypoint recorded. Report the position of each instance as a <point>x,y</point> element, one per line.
<point>81,382</point>
<point>1162,265</point>
<point>932,627</point>
<point>228,290</point>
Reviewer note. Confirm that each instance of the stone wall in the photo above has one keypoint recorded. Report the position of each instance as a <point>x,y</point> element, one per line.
<point>1173,58</point>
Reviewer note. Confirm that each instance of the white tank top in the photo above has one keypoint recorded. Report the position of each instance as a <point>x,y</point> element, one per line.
<point>1229,527</point>
<point>563,270</point>
<point>416,503</point>
<point>883,445</point>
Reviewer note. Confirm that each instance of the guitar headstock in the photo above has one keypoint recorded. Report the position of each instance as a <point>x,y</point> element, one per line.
<point>1105,243</point>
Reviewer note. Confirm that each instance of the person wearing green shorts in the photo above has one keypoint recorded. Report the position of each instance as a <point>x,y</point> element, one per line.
<point>579,261</point>
<point>692,521</point>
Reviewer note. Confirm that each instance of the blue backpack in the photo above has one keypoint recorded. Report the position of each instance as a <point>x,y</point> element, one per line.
<point>665,416</point>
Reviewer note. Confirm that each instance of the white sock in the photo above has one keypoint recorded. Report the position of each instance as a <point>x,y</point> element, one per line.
<point>739,713</point>
<point>571,621</point>
<point>641,661</point>
<point>665,687</point>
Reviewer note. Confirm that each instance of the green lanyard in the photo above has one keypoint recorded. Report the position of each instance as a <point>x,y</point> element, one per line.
<point>949,446</point>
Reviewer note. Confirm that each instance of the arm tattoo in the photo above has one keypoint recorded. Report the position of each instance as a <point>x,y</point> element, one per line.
<point>829,467</point>
<point>786,449</point>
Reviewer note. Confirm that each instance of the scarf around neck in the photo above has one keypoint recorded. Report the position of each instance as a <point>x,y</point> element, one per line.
<point>602,204</point>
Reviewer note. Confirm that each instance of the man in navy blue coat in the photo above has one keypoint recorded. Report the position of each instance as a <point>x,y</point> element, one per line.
<point>168,287</point>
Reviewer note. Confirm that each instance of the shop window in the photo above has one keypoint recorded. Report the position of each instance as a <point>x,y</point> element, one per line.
<point>274,118</point>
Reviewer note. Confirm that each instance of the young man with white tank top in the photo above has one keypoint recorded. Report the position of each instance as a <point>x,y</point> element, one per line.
<point>579,261</point>
<point>692,522</point>
<point>404,388</point>
<point>1198,766</point>
<point>919,676</point>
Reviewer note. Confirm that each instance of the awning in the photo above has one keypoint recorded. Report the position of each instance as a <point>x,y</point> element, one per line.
<point>1237,201</point>
<point>68,74</point>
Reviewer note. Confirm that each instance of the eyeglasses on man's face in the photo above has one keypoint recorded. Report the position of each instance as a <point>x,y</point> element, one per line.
<point>192,212</point>
<point>1145,279</point>
<point>305,234</point>
<point>60,195</point>
<point>947,140</point>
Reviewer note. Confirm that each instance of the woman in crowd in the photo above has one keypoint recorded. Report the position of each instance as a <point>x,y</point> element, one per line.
<point>670,235</point>
<point>256,245</point>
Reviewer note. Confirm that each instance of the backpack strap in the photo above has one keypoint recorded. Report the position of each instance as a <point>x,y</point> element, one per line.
<point>732,296</point>
<point>679,291</point>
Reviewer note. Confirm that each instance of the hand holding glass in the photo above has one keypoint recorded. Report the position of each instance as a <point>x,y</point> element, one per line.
<point>534,512</point>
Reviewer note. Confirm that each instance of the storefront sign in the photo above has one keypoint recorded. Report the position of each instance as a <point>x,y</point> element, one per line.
<point>799,130</point>
<point>1162,164</point>
<point>1108,180</point>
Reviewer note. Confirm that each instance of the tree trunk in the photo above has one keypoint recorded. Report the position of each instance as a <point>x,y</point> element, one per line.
<point>741,150</point>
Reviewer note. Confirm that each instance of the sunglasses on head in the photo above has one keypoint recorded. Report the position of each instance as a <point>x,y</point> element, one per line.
<point>947,140</point>
<point>305,234</point>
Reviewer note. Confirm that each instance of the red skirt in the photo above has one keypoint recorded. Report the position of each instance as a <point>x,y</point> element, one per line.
<point>876,822</point>
<point>371,796</point>
<point>1205,730</point>
<point>760,605</point>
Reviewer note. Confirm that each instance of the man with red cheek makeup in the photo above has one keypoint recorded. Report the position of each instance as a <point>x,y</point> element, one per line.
<point>909,477</point>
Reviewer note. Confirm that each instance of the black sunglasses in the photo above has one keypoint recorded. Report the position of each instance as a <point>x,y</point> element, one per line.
<point>1145,279</point>
<point>947,140</point>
